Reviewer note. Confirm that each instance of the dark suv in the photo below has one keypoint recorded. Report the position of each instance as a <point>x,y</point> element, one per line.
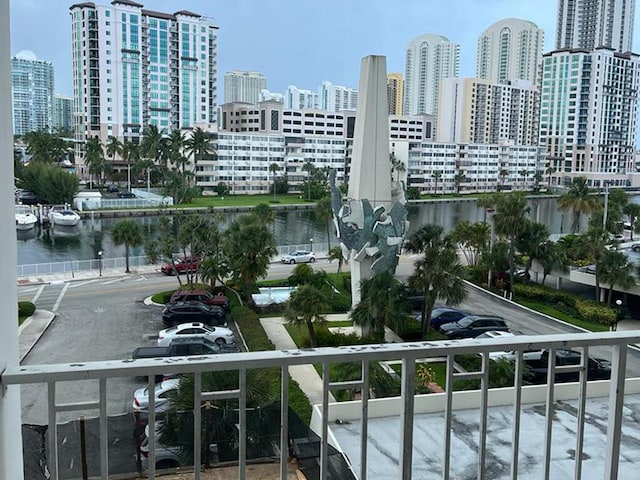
<point>201,296</point>
<point>472,326</point>
<point>183,312</point>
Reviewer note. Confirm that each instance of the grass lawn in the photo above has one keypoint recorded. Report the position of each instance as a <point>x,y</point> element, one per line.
<point>300,334</point>
<point>243,201</point>
<point>565,317</point>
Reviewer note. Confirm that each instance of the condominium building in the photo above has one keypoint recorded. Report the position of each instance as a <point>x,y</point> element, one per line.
<point>473,110</point>
<point>334,98</point>
<point>395,91</point>
<point>429,59</point>
<point>134,67</point>
<point>589,24</point>
<point>508,50</point>
<point>588,113</point>
<point>266,96</point>
<point>299,98</point>
<point>62,112</point>
<point>243,86</point>
<point>32,93</point>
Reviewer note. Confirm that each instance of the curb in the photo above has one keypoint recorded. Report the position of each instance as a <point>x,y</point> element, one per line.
<point>52,316</point>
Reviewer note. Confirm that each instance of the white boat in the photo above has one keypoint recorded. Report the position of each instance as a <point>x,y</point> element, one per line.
<point>25,218</point>
<point>63,215</point>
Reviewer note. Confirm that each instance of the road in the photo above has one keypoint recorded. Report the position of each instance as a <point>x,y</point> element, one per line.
<point>106,318</point>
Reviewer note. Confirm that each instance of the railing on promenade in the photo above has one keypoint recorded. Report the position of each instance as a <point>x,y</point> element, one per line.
<point>409,354</point>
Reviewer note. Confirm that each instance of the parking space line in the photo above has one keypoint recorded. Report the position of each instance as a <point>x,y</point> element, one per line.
<point>80,284</point>
<point>57,304</point>
<point>119,279</point>
<point>37,295</point>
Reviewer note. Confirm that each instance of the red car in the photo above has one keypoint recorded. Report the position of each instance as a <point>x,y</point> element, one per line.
<point>181,265</point>
<point>202,296</point>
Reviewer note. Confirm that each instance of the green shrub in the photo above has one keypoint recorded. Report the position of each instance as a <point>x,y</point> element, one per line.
<point>591,311</point>
<point>340,303</point>
<point>544,294</point>
<point>26,309</point>
<point>162,297</point>
<point>249,325</point>
<point>346,284</point>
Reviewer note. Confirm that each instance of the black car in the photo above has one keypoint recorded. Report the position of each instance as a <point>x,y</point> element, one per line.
<point>29,198</point>
<point>127,195</point>
<point>442,315</point>
<point>537,368</point>
<point>183,312</point>
<point>472,326</point>
<point>113,188</point>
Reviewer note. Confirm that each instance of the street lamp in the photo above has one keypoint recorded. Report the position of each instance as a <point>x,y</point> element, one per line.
<point>615,323</point>
<point>311,240</point>
<point>100,261</point>
<point>490,211</point>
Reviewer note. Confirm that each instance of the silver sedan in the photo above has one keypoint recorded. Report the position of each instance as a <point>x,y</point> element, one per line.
<point>220,335</point>
<point>299,256</point>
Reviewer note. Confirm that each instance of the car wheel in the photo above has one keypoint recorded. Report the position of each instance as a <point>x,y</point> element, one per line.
<point>220,342</point>
<point>311,260</point>
<point>292,262</point>
<point>636,249</point>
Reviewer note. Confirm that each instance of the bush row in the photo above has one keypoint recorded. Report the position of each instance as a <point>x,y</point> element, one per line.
<point>25,309</point>
<point>587,310</point>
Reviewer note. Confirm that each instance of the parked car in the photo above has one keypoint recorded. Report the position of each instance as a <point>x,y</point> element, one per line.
<point>299,256</point>
<point>635,247</point>
<point>189,312</point>
<point>472,326</point>
<point>113,188</point>
<point>597,368</point>
<point>443,315</point>
<point>29,198</point>
<point>127,195</point>
<point>180,347</point>
<point>181,265</point>
<point>218,335</point>
<point>201,296</point>
<point>162,392</point>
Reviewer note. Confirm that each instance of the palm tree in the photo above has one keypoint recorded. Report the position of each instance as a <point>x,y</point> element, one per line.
<point>524,174</point>
<point>383,304</point>
<point>437,175</point>
<point>324,214</point>
<point>199,145</point>
<point>94,158</point>
<point>305,307</point>
<point>549,171</point>
<point>153,145</point>
<point>632,211</point>
<point>397,166</point>
<point>488,203</point>
<point>309,168</point>
<point>509,221</point>
<point>265,213</point>
<point>175,144</point>
<point>438,273</point>
<point>130,155</point>
<point>127,232</point>
<point>530,242</point>
<point>335,253</point>
<point>552,257</point>
<point>113,147</point>
<point>615,269</point>
<point>213,269</point>
<point>537,177</point>
<point>503,175</point>
<point>249,247</point>
<point>579,200</point>
<point>273,168</point>
<point>458,178</point>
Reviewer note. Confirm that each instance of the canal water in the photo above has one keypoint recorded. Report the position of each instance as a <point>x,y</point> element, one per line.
<point>295,227</point>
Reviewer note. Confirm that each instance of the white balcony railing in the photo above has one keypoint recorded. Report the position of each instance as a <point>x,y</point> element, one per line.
<point>614,344</point>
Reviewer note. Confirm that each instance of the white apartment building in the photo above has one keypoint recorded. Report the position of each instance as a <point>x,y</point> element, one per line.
<point>32,93</point>
<point>243,86</point>
<point>510,49</point>
<point>588,114</point>
<point>472,167</point>
<point>62,112</point>
<point>266,96</point>
<point>334,98</point>
<point>589,24</point>
<point>416,128</point>
<point>134,67</point>
<point>429,59</point>
<point>473,110</point>
<point>395,93</point>
<point>300,99</point>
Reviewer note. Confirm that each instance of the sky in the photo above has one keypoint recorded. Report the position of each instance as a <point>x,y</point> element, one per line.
<point>299,42</point>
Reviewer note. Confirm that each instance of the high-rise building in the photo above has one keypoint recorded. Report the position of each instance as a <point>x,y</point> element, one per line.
<point>334,98</point>
<point>266,96</point>
<point>134,67</point>
<point>588,114</point>
<point>429,59</point>
<point>474,110</point>
<point>395,89</point>
<point>32,89</point>
<point>243,86</point>
<point>589,24</point>
<point>298,98</point>
<point>510,49</point>
<point>62,112</point>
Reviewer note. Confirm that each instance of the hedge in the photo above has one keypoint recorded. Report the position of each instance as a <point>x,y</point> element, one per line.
<point>26,309</point>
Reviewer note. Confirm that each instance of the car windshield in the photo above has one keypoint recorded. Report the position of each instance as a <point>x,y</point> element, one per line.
<point>466,321</point>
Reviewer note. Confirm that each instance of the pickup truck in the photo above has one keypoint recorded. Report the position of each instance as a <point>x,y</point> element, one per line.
<point>179,347</point>
<point>537,368</point>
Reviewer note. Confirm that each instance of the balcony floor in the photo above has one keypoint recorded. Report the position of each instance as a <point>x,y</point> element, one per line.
<point>384,440</point>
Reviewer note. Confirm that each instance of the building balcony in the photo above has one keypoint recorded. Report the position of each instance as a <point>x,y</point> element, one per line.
<point>522,431</point>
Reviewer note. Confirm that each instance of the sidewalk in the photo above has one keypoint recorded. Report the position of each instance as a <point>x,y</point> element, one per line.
<point>31,329</point>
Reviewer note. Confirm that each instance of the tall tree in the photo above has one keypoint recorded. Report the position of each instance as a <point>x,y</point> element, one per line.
<point>200,145</point>
<point>335,253</point>
<point>579,200</point>
<point>509,221</point>
<point>437,175</point>
<point>615,269</point>
<point>524,174</point>
<point>458,179</point>
<point>438,272</point>
<point>131,156</point>
<point>530,243</point>
<point>503,174</point>
<point>273,168</point>
<point>383,304</point>
<point>249,246</point>
<point>114,147</point>
<point>324,214</point>
<point>306,306</point>
<point>94,159</point>
<point>549,171</point>
<point>127,232</point>
<point>472,239</point>
<point>552,258</point>
<point>632,211</point>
